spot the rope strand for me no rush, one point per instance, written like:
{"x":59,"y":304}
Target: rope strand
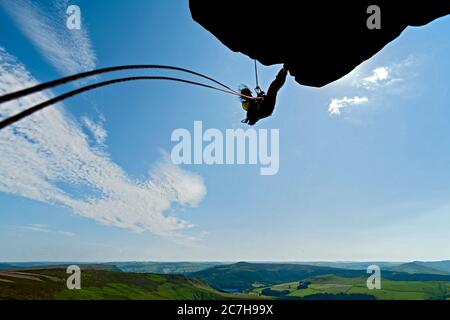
{"x":13,"y":119}
{"x":61,"y":81}
{"x":256,"y":75}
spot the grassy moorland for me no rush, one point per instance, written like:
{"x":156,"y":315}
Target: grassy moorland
{"x":49,"y":284}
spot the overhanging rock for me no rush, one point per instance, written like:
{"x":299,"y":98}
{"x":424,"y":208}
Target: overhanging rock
{"x":319,"y":41}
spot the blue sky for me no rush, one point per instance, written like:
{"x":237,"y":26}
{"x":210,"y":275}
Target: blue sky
{"x":364,"y":162}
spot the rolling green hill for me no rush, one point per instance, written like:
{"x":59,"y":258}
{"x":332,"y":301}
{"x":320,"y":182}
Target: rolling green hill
{"x":50,"y":284}
{"x":415,"y":267}
{"x":437,"y":265}
{"x":282,"y":281}
{"x":243,"y":276}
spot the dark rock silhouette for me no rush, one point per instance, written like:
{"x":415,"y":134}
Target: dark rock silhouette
{"x":319,"y":41}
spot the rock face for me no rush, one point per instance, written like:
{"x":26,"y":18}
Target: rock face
{"x":319,"y":41}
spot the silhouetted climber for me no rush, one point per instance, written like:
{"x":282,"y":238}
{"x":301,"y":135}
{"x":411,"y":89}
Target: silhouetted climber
{"x":263,"y":105}
{"x":259,"y":107}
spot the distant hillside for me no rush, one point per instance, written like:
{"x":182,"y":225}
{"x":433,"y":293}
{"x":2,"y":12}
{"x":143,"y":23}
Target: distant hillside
{"x":243,"y":276}
{"x":7,"y":266}
{"x":422,"y":267}
{"x":353,"y":265}
{"x":437,"y":265}
{"x":56,"y":265}
{"x":164,"y":267}
{"x":50,"y":284}
{"x":417,"y":267}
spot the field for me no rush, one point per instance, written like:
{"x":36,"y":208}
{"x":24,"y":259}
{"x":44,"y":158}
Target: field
{"x":390,"y":289}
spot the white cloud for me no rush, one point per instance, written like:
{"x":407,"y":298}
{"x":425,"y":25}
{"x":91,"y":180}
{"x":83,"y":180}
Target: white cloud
{"x":391,"y":76}
{"x":336,"y":105}
{"x":379,"y":74}
{"x":47,"y":157}
{"x":69,"y":51}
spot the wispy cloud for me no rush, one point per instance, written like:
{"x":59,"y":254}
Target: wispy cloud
{"x":336,"y":105}
{"x":48,"y":157}
{"x":97,"y":130}
{"x":46,"y":229}
{"x":44,"y":23}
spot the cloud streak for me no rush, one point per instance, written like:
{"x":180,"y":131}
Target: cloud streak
{"x":46,"y":229}
{"x":69,"y":51}
{"x":96,"y":128}
{"x":49,"y":158}
{"x":336,"y":105}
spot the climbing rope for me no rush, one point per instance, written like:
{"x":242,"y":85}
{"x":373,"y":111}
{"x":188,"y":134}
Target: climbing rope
{"x":256,"y":75}
{"x":61,"y":81}
{"x":13,"y":119}
{"x":259,"y":92}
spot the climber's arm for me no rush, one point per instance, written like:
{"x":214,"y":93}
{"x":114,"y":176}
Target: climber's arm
{"x":276,"y":85}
